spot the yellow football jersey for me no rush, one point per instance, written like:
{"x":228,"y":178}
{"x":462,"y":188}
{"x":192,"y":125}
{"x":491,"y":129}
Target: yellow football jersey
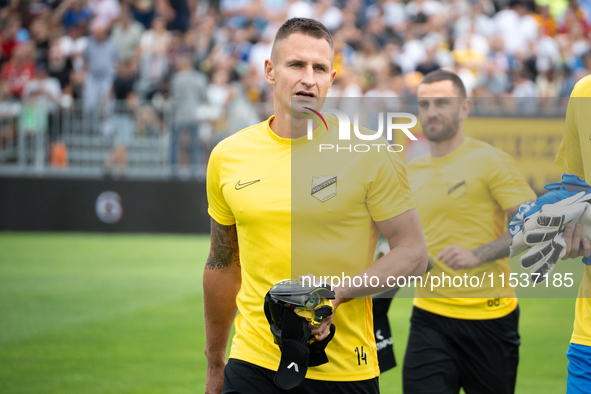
{"x":461,"y":199}
{"x":298,"y":211}
{"x":574,"y":156}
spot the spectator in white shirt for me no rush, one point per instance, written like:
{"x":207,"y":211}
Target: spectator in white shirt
{"x":126,"y":35}
{"x":155,"y":39}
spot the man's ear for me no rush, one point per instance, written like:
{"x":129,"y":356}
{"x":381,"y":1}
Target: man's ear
{"x":333,"y":75}
{"x":269,"y":72}
{"x":465,"y":108}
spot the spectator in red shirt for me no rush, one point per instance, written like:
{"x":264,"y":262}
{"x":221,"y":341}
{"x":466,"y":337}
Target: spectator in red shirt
{"x":19,"y":70}
{"x":573,"y":16}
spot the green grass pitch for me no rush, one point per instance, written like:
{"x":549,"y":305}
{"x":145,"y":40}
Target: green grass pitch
{"x":96,"y":313}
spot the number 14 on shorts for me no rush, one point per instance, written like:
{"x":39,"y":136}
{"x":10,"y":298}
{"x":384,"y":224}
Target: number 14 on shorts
{"x":361,"y":355}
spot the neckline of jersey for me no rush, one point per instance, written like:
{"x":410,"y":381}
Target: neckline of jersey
{"x":289,"y":141}
{"x":452,"y":155}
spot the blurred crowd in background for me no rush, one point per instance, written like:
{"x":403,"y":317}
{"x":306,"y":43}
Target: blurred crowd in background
{"x":157,"y":57}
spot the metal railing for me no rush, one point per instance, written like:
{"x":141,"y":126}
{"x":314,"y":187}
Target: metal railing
{"x":37,"y":139}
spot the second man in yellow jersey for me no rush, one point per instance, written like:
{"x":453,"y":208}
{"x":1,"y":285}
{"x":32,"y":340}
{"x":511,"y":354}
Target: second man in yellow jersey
{"x":461,"y":336}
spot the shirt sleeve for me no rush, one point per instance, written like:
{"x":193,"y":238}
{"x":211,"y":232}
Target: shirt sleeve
{"x":507,"y":185}
{"x":569,"y":156}
{"x":218,"y":208}
{"x":389,"y":193}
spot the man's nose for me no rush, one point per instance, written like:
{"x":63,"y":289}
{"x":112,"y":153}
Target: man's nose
{"x":308,"y":77}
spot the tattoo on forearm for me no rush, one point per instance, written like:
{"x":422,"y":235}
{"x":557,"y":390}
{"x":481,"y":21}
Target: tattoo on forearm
{"x":497,"y":249}
{"x":224,"y":247}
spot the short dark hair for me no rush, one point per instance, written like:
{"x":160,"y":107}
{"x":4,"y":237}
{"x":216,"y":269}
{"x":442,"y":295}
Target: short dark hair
{"x":307,"y":26}
{"x":444,"y":75}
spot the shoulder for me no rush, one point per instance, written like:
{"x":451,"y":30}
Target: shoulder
{"x":493,"y":160}
{"x":238,"y":140}
{"x":582,"y":88}
{"x":419,"y":162}
{"x":483,"y":150}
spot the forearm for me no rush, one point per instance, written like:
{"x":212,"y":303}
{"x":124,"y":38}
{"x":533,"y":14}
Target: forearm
{"x":401,"y":261}
{"x":221,"y":283}
{"x":497,"y":249}
{"x":220,"y":287}
{"x":407,"y":257}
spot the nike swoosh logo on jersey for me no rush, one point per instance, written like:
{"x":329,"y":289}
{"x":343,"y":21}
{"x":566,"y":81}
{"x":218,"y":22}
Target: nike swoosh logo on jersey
{"x":243,"y":185}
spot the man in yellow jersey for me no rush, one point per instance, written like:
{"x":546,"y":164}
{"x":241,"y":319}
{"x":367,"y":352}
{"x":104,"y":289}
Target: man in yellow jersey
{"x":462,"y":336}
{"x":257,"y":201}
{"x":574,"y":157}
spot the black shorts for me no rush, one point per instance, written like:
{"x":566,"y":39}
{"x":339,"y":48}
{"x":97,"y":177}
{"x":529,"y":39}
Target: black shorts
{"x":444,"y":354}
{"x":241,"y":377}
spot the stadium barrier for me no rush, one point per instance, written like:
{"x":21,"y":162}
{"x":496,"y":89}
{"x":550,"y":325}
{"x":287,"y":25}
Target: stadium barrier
{"x":103,"y":205}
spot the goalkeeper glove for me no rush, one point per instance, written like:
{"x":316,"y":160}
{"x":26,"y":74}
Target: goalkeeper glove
{"x":543,"y":232}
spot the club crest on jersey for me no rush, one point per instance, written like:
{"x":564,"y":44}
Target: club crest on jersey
{"x":457,"y":188}
{"x":324,"y":187}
